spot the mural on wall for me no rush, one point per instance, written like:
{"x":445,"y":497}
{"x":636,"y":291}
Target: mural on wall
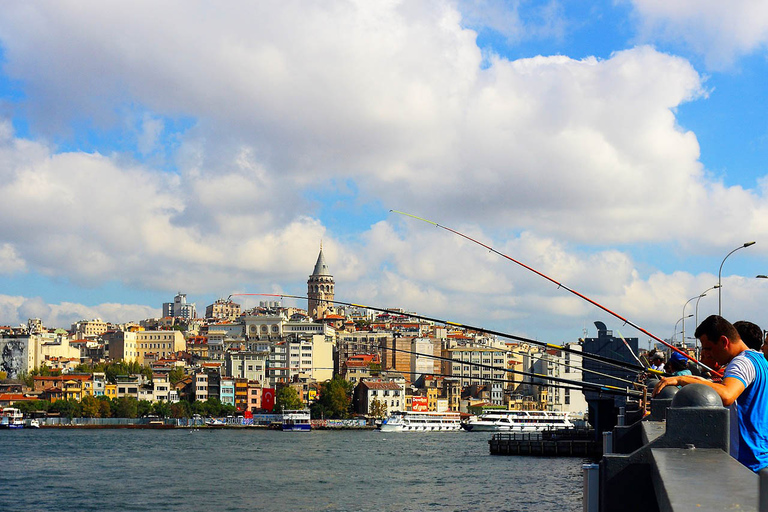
{"x":14,"y":357}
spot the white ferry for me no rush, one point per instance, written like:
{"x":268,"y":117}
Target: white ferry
{"x":296,"y":421}
{"x":11,"y":417}
{"x":494,"y":420}
{"x":413,"y":421}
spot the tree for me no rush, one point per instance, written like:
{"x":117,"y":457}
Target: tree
{"x":105,"y":406}
{"x":378,"y":408}
{"x":126,"y":407}
{"x":335,"y":399}
{"x":181,"y":409}
{"x":175,"y":375}
{"x":143,"y":408}
{"x":90,"y":407}
{"x":287,"y":398}
{"x":162,"y":409}
{"x":69,"y":408}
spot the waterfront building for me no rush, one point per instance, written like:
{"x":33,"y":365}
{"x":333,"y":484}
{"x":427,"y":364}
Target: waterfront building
{"x":320,"y":288}
{"x":395,"y":355}
{"x":23,"y":353}
{"x":201,"y":386}
{"x":465,"y":360}
{"x":222,"y":309}
{"x":246,"y":365}
{"x":241,"y":394}
{"x":360,"y":342}
{"x":128,"y":385}
{"x":227,"y":391}
{"x":121,"y":345}
{"x":358,"y":367}
{"x":162,"y":388}
{"x":253,"y":396}
{"x":42,"y":383}
{"x":390,"y":393}
{"x":163,"y":343}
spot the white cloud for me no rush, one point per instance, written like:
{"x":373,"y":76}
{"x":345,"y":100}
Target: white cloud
{"x":721,"y":31}
{"x":550,"y":155}
{"x":16,"y":310}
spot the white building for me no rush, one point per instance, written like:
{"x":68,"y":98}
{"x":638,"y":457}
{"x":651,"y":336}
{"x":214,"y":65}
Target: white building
{"x":180,"y":308}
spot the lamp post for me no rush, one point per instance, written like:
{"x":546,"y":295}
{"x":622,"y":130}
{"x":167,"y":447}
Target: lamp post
{"x":686,"y":303}
{"x":678,"y":321}
{"x":719,"y":274}
{"x":697,"y":301}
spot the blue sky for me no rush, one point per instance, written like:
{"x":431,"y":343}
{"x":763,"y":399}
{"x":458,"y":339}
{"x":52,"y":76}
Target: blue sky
{"x":619,"y":147}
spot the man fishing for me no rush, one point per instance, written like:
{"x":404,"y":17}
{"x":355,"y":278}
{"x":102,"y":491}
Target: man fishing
{"x":744,"y":387}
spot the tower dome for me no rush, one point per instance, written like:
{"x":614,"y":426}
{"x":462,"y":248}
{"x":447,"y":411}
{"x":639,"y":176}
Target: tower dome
{"x":320,"y":288}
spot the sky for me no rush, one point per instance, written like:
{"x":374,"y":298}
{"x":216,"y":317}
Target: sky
{"x":618,"y":147}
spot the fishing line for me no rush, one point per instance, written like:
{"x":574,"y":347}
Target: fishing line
{"x":602,"y":359}
{"x":560,"y":285}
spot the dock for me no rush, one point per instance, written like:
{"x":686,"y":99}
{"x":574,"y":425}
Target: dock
{"x":560,"y":443}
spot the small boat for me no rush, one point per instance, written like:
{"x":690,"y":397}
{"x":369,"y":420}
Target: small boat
{"x":33,"y":423}
{"x":213,"y":422}
{"x":296,"y":421}
{"x":11,"y":417}
{"x":500,"y":420}
{"x":412,"y":421}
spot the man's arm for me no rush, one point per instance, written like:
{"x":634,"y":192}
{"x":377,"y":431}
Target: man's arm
{"x":729,"y":390}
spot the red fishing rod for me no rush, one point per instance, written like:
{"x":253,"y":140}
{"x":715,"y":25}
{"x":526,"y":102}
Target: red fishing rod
{"x":561,"y":285}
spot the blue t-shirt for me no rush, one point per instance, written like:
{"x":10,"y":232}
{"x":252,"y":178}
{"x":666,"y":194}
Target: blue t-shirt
{"x":751,"y":368}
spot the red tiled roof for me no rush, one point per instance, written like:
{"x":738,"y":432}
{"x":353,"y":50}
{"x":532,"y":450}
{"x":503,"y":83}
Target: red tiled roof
{"x":380,"y":384}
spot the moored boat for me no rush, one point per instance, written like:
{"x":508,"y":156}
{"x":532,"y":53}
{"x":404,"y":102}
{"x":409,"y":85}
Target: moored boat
{"x":495,"y":420}
{"x":11,"y":417}
{"x":413,"y":421}
{"x":296,"y":421}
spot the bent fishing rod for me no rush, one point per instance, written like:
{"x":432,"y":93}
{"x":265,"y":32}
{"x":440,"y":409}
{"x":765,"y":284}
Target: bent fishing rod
{"x":582,"y":384}
{"x":601,"y":359}
{"x":560,"y":285}
{"x":526,"y":383}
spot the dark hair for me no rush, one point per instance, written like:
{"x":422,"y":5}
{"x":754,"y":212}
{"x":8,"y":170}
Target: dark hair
{"x":751,"y":333}
{"x":715,"y":326}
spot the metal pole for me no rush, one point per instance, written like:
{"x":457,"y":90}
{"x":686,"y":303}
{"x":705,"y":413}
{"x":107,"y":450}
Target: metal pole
{"x":591,"y":492}
{"x":719,"y":274}
{"x":607,"y":442}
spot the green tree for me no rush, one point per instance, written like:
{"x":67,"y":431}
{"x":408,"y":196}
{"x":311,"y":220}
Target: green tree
{"x":105,"y":406}
{"x":378,"y":408}
{"x":90,"y":407}
{"x":175,"y":375}
{"x":143,"y":408}
{"x":287,"y":398}
{"x":162,"y":409}
{"x":213,"y":407}
{"x":181,"y":409}
{"x":126,"y":407}
{"x":335,"y":400}
{"x":69,"y":408}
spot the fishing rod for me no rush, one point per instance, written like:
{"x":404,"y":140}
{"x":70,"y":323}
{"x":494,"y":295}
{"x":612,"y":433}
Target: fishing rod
{"x":595,"y":386}
{"x":583,"y":384}
{"x":521,"y":383}
{"x":560,"y":285}
{"x":594,"y":372}
{"x":602,"y":359}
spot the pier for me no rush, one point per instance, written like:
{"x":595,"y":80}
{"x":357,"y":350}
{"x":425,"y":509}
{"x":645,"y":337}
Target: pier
{"x":564,"y":443}
{"x":675,"y":459}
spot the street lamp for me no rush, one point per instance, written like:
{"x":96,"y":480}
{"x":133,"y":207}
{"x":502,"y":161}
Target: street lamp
{"x":684,"y":317}
{"x":697,"y":302}
{"x":719,"y":274}
{"x":675,"y":331}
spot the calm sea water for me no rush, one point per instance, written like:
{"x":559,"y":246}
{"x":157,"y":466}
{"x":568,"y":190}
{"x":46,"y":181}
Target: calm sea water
{"x":156,"y":470}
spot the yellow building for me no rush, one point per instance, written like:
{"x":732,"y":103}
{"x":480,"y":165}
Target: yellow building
{"x":110,"y":390}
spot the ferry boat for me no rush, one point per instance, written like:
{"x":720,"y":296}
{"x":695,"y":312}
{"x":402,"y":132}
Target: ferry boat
{"x":495,"y":420}
{"x":11,"y":417}
{"x":296,"y":421}
{"x":413,"y":421}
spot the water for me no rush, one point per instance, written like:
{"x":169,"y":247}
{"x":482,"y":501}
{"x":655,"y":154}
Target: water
{"x":156,"y":470}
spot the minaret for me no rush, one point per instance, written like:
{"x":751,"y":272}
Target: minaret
{"x":319,"y":288}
